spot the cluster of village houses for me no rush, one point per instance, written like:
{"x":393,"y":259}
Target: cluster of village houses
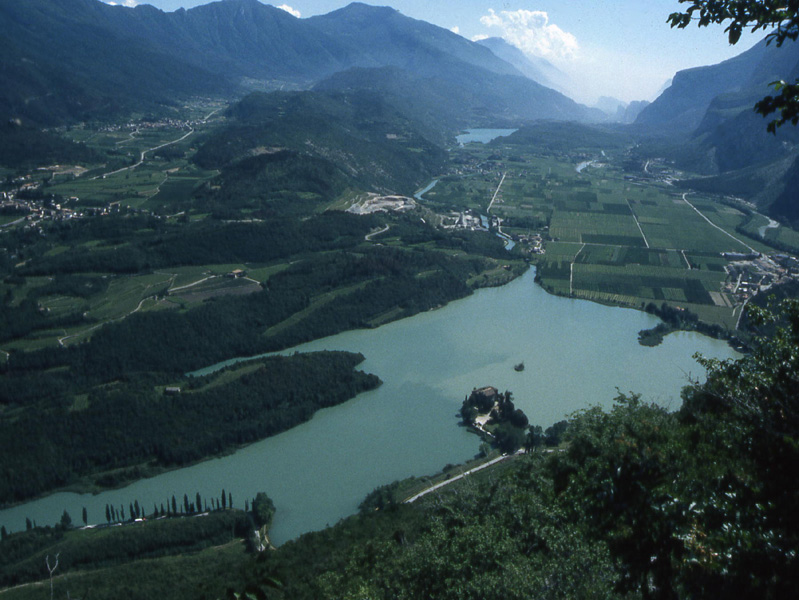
{"x":749,"y":274}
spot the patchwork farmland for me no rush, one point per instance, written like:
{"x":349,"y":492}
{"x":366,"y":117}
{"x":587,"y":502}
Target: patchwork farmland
{"x":610,"y":237}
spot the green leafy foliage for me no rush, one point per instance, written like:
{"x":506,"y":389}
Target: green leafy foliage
{"x":380,"y":498}
{"x":741,"y":15}
{"x":620,"y":467}
{"x":755,"y":400}
{"x":786,"y":103}
{"x":263,"y":509}
{"x":502,"y":540}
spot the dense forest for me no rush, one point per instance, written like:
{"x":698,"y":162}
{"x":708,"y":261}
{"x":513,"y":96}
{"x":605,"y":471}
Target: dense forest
{"x":24,"y":146}
{"x":136,"y":244}
{"x":281,"y":183}
{"x":372,"y":144}
{"x":102,"y":401}
{"x":377,"y":279}
{"x":126,"y":429}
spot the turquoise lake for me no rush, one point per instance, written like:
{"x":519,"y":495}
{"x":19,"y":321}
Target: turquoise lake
{"x":482,"y":136}
{"x":576,"y":354}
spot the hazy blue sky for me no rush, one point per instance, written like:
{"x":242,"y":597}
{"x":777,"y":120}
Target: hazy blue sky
{"x":620,"y":48}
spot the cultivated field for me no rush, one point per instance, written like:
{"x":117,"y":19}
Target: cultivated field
{"x":610,"y":237}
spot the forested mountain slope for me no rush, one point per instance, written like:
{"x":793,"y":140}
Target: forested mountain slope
{"x":78,"y":59}
{"x":382,"y":36}
{"x":352,"y":139}
{"x":62,"y":61}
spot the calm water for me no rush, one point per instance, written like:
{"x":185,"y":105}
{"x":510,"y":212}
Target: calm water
{"x":482,"y":136}
{"x":418,"y":195}
{"x":576,"y":354}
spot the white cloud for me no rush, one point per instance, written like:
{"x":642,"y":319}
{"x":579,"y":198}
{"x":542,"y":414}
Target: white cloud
{"x":290,"y":10}
{"x":477,"y":38}
{"x":128,"y":3}
{"x":531,"y":32}
{"x":456,"y":29}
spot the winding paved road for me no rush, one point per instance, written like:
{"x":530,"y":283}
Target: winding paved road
{"x":499,"y":187}
{"x":142,"y":157}
{"x":438,"y":486}
{"x":685,"y":199}
{"x":368,"y":237}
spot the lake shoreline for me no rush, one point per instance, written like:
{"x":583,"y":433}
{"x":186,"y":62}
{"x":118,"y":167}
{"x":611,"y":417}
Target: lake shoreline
{"x":319,"y":471}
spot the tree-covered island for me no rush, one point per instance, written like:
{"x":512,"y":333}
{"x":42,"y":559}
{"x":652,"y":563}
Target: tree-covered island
{"x":493,"y":415}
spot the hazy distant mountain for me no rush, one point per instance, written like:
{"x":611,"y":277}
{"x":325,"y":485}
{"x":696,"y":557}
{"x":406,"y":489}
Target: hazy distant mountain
{"x":462,"y":97}
{"x":630,"y":112}
{"x":716,"y":102}
{"x":538,"y":69}
{"x":435,"y":76}
{"x":610,"y":106}
{"x":430,"y":102}
{"x":242,"y":38}
{"x":618,"y":111}
{"x":382,"y":36}
{"x":684,"y":104}
{"x":62,"y":59}
{"x":75,"y":56}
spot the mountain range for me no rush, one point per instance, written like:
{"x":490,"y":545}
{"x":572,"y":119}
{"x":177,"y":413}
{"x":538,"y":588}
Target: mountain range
{"x":72,"y":60}
{"x":709,"y":113}
{"x":695,"y":94}
{"x":78,"y":59}
{"x":538,"y":69}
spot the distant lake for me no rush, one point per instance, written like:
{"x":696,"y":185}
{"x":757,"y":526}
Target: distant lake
{"x":482,"y":136}
{"x":576,"y":354}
